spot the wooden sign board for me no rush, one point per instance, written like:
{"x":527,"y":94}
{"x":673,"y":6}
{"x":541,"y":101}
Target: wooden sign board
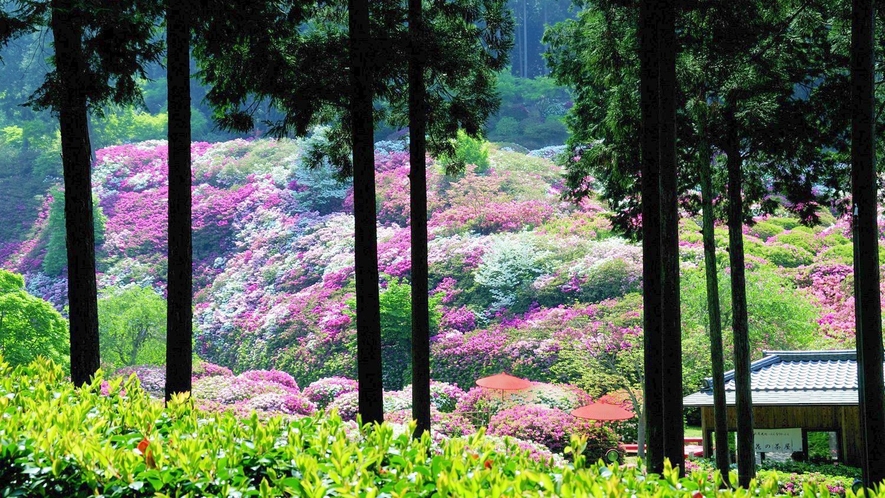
{"x":777,"y":440}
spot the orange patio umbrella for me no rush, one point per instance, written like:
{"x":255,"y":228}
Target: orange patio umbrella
{"x":602,"y":411}
{"x":504,"y":382}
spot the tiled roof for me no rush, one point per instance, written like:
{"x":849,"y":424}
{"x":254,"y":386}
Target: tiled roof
{"x":793,"y":378}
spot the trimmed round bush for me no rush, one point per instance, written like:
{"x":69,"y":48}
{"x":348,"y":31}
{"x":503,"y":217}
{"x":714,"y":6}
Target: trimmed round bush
{"x":206,"y":369}
{"x":323,"y":391}
{"x":271,"y":376}
{"x":152,"y":378}
{"x":788,"y":256}
{"x":550,"y":427}
{"x":765,"y":229}
{"x":289,"y":404}
{"x":347,"y":405}
{"x":445,"y":424}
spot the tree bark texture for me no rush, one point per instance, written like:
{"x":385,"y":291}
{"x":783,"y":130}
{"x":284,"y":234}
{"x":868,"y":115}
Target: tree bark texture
{"x":868,"y":313}
{"x":179,"y":317}
{"x":368,"y":314}
{"x":746,"y":457}
{"x":76,"y":152}
{"x":649,"y":17}
{"x":671,"y":318}
{"x":418,"y":208}
{"x":717,"y":356}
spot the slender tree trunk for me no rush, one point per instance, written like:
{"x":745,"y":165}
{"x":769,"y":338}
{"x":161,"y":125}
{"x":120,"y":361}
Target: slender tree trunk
{"x":746,"y":457}
{"x":649,"y":14}
{"x":76,"y":154}
{"x":179,"y":317}
{"x":671,"y":327}
{"x":868,"y":313}
{"x":368,"y":314}
{"x":525,"y":40}
{"x":418,"y":208}
{"x":717,"y":357}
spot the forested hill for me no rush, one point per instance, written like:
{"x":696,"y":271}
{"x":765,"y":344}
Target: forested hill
{"x":521,"y":281}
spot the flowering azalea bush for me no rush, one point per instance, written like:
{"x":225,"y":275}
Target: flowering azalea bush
{"x":323,"y":391}
{"x":552,"y":428}
{"x":521,"y":281}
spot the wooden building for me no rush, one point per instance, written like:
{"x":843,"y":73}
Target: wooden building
{"x":815,"y":391}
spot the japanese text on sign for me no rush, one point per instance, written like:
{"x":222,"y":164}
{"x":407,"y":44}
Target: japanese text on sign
{"x":777,"y":440}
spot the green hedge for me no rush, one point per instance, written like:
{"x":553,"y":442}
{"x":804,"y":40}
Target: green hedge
{"x":56,"y":440}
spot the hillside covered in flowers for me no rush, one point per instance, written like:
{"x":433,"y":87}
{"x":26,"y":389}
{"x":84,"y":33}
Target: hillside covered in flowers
{"x":521,"y":281}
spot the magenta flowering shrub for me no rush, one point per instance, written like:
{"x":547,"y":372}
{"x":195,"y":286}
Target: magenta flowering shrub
{"x":271,"y":376}
{"x":480,"y":404}
{"x":289,"y":404}
{"x":229,"y":390}
{"x":536,"y":452}
{"x":323,"y":391}
{"x":831,"y":289}
{"x":347,"y":405}
{"x":151,"y":378}
{"x":206,"y":369}
{"x":565,"y":397}
{"x":461,"y":358}
{"x":445,"y":396}
{"x":441,"y":424}
{"x":550,"y":427}
{"x":460,"y":319}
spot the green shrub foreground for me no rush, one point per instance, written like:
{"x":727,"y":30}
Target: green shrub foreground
{"x":115,"y":441}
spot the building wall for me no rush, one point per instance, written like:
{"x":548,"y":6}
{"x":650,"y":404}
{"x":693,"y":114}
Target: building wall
{"x":843,"y":420}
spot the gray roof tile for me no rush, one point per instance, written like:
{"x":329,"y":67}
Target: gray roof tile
{"x":794,"y":378}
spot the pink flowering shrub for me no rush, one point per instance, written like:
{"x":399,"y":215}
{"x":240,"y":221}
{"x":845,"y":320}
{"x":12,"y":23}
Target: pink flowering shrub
{"x":553,"y":428}
{"x":537,"y":452}
{"x":444,"y":424}
{"x":152,"y":378}
{"x":271,"y":376}
{"x":289,"y":404}
{"x":229,"y":390}
{"x":206,"y":369}
{"x":548,"y":426}
{"x":460,"y":319}
{"x":462,"y":358}
{"x":347,"y":405}
{"x":323,"y":391}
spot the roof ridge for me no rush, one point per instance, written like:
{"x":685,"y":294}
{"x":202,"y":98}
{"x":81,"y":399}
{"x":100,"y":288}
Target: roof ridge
{"x":773,"y":357}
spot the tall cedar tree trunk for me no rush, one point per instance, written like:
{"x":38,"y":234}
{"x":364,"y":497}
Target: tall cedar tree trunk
{"x":179,"y":317}
{"x":418,"y":207}
{"x":717,"y":357}
{"x":671,"y":326}
{"x":76,"y":152}
{"x":368,"y":314}
{"x":746,"y":457}
{"x":868,"y":314}
{"x":649,"y":14}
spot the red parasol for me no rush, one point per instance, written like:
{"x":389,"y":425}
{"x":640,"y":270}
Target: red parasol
{"x":602,"y":411}
{"x":504,"y":382}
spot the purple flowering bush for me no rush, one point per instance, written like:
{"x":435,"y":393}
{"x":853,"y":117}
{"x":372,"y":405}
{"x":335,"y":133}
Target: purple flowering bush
{"x":552,"y":428}
{"x":323,"y":391}
{"x":152,"y":378}
{"x":347,"y":405}
{"x":543,"y":425}
{"x":523,"y":281}
{"x":441,"y":424}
